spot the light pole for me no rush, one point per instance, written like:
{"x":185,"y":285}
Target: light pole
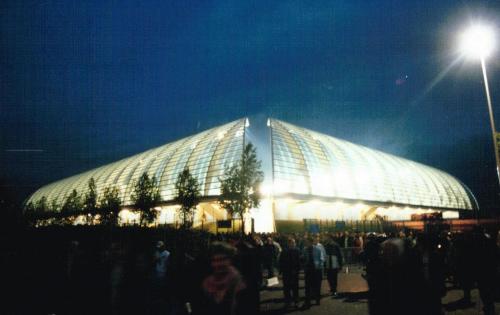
{"x":478,"y":42}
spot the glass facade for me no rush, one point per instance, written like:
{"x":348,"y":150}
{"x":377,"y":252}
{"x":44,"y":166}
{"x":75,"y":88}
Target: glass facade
{"x":328,"y":177}
{"x":310,"y":163}
{"x":206,"y":154}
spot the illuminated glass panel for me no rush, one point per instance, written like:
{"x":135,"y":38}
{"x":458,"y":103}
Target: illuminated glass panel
{"x":227,"y":151}
{"x":206,"y":154}
{"x":326,"y":166}
{"x":304,"y":162}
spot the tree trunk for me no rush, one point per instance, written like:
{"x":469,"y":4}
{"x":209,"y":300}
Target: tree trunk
{"x":242,"y":224}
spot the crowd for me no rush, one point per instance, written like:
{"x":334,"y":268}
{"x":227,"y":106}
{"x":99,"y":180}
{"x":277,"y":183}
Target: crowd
{"x":202,"y":273}
{"x":406,"y":273}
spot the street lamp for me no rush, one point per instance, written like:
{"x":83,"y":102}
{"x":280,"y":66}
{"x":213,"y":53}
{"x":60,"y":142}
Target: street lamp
{"x":478,"y":42}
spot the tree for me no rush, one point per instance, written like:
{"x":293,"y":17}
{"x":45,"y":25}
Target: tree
{"x":55,"y":212}
{"x":38,"y":210}
{"x":30,"y":212}
{"x":41,"y":206}
{"x":240,"y":184}
{"x":72,"y":205}
{"x":146,"y":197}
{"x":54,"y":206}
{"x":188,"y":196}
{"x":90,"y":199}
{"x":110,"y":205}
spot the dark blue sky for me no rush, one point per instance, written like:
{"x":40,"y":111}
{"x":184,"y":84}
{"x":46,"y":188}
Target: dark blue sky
{"x":88,"y":82}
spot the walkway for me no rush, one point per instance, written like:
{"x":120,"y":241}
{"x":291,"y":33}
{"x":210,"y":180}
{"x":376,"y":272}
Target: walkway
{"x":352,"y":299}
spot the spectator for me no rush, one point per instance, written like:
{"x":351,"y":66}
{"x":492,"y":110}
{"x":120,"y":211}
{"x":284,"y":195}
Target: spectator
{"x":159,"y":292}
{"x":269,"y":255}
{"x":461,"y":259}
{"x":314,"y":257}
{"x":160,"y":259}
{"x":289,"y":268}
{"x":431,"y":286}
{"x":333,"y":264}
{"x":486,"y":260}
{"x":221,"y":290}
{"x":373,"y":270}
{"x":347,"y":244}
{"x":247,"y":261}
{"x":358,"y":246}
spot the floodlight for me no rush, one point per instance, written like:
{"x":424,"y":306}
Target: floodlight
{"x":477,"y":41}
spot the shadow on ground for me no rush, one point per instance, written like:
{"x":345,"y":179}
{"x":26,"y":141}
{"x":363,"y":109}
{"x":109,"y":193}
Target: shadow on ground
{"x":352,"y":297}
{"x":460,"y":304}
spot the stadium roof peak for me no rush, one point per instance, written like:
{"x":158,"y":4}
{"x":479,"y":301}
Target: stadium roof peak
{"x":303,"y":163}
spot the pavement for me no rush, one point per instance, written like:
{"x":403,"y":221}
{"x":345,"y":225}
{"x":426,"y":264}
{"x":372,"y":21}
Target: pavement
{"x":352,"y":298}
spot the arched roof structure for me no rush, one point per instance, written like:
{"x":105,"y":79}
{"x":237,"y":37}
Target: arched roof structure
{"x":206,"y":154}
{"x":306,"y":162}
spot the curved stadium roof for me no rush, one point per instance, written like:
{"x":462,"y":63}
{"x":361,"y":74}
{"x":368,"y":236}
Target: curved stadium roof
{"x":305,"y":163}
{"x":206,"y":154}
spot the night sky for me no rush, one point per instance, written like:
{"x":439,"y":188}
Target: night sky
{"x":83,"y":83}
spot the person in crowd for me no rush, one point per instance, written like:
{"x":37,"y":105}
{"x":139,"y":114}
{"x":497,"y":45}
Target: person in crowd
{"x":314,"y":257}
{"x":160,"y":261}
{"x":247,"y":261}
{"x":136,"y":278}
{"x":259,"y":251}
{"x":347,"y":242}
{"x":461,"y":261}
{"x":289,"y":266}
{"x":391,"y":284}
{"x":485,"y":254}
{"x":431,"y":286}
{"x":321,"y":248}
{"x":309,"y":269}
{"x":277,"y":252}
{"x":299,"y":242}
{"x":358,"y":244}
{"x":333,"y":264}
{"x":222,"y":288}
{"x":269,"y":254}
{"x":191,"y":268}
{"x":373,"y":266}
{"x":159,"y":277}
{"x":257,"y":241}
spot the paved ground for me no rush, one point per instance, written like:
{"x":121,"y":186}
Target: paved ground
{"x":352,"y":299}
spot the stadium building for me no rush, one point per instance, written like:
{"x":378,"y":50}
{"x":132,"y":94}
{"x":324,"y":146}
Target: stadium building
{"x":308,"y":175}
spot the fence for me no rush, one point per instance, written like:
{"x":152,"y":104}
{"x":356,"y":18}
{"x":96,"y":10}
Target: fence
{"x":333,"y":226}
